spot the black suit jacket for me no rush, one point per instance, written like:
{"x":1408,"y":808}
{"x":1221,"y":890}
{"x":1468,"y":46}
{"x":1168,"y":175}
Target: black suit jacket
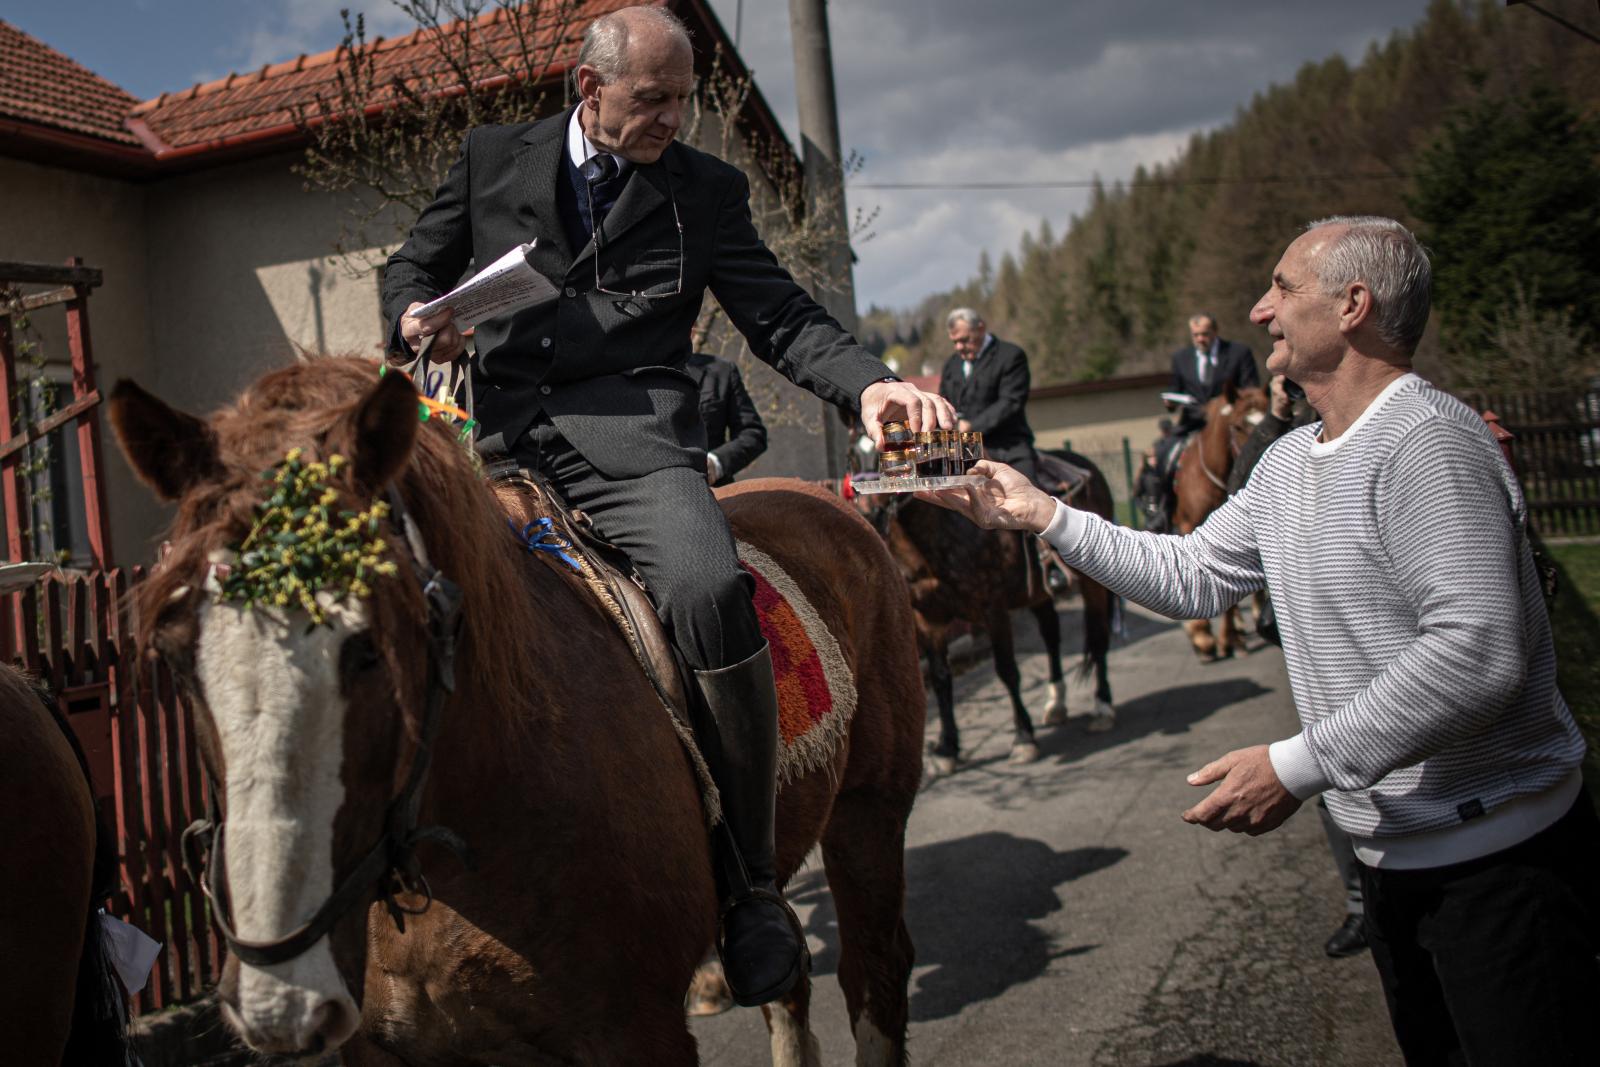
{"x":609,"y":371}
{"x":994,"y":399}
{"x":1235,"y":363}
{"x":734,"y":431}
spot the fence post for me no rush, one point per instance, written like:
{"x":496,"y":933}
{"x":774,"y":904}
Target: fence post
{"x":1127,"y":474}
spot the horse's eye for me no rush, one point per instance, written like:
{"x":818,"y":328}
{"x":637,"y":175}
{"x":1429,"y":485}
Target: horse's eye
{"x":358,"y":653}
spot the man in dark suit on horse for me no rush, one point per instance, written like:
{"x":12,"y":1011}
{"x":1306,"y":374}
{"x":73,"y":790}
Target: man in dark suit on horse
{"x":735,"y":434}
{"x":1201,"y":370}
{"x":987,"y":380}
{"x":590,"y":390}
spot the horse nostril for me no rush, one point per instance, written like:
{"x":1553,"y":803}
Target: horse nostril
{"x":331,"y":1023}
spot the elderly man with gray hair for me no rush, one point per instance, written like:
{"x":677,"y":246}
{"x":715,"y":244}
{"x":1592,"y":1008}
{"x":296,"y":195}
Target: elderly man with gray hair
{"x":987,"y":381}
{"x":591,"y":392}
{"x":1392,"y":537}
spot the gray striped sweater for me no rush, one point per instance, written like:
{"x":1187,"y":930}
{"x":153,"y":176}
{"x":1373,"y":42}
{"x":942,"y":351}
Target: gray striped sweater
{"x":1414,"y":631}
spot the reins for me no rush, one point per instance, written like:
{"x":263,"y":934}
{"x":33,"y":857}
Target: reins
{"x":392,"y":861}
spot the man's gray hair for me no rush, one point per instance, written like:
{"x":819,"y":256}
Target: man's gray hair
{"x":1387,"y":258}
{"x":605,"y":42}
{"x":966,"y":315}
{"x":1206,"y":315}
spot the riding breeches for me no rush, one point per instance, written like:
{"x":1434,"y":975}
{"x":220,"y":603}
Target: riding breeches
{"x":672,"y":529}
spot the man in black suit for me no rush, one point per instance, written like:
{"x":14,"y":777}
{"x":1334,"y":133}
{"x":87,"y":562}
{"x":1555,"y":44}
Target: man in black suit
{"x":590,"y":389}
{"x":1204,"y":369}
{"x":987,"y":380}
{"x":735,"y":434}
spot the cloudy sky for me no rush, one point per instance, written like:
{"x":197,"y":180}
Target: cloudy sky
{"x":930,"y":91}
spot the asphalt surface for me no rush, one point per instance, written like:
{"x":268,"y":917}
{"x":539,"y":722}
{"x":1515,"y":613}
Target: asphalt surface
{"x":1062,"y":911}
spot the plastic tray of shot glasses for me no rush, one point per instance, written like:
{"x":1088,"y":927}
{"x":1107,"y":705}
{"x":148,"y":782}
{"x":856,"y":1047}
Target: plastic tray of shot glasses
{"x":911,"y":485}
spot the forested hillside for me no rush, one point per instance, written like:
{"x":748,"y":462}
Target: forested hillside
{"x":1478,"y":128}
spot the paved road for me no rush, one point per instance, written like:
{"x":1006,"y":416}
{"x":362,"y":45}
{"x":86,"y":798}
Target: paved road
{"x":1064,"y":914}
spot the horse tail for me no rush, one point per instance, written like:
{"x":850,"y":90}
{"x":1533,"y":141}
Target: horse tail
{"x":99,"y":1013}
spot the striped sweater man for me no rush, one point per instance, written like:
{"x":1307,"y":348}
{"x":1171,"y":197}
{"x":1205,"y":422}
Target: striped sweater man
{"x":1417,"y":644}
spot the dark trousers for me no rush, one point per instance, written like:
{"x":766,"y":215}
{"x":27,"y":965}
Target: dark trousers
{"x":671,"y":527}
{"x":1493,"y":962}
{"x":1344,"y":859}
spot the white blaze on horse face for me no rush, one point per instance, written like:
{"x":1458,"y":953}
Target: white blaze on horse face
{"x":273,"y":692}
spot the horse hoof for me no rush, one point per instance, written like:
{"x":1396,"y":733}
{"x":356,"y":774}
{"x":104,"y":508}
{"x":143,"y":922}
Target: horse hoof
{"x":1103,"y":718}
{"x":1026,"y":752}
{"x":940,"y":763}
{"x":708,"y":993}
{"x":1054,"y":715}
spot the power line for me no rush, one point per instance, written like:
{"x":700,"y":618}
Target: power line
{"x":1087,"y":183}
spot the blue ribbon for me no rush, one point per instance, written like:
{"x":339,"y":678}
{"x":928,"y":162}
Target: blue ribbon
{"x":540,"y":535}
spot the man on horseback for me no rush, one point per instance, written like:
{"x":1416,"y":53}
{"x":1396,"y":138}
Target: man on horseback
{"x":590,"y":390}
{"x":1201,"y":370}
{"x":987,"y":381}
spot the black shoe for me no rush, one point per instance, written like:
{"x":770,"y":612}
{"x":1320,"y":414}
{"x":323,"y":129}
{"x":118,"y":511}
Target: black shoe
{"x":762,"y":947}
{"x":1350,"y":939}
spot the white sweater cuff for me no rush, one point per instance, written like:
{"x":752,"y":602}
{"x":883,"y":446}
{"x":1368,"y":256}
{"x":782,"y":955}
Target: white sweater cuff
{"x":1066,"y":528}
{"x":1296,"y":767}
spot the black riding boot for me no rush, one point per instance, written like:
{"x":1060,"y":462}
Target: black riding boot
{"x":759,"y":939}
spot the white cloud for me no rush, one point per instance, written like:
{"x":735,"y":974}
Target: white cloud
{"x":1016,"y":90}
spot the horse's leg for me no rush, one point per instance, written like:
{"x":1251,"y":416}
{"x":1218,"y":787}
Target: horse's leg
{"x":789,"y":1026}
{"x":947,"y":752}
{"x":1097,"y":607}
{"x":1228,"y":633}
{"x":1055,"y":712}
{"x":863,"y":851}
{"x":1023,"y":747}
{"x":1199,"y":631}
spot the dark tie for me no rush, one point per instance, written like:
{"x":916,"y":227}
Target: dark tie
{"x":604,"y":186}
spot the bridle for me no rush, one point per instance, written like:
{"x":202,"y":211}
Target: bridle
{"x":391,"y":863}
{"x":1235,"y":446}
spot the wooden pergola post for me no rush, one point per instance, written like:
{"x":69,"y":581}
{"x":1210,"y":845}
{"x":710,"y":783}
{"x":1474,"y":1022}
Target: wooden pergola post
{"x":74,"y":281}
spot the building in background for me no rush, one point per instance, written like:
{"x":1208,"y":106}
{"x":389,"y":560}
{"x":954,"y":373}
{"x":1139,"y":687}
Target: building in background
{"x":218,"y":263}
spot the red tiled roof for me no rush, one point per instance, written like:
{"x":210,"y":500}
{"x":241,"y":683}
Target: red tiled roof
{"x":40,"y":85}
{"x":255,"y":112}
{"x":244,"y":107}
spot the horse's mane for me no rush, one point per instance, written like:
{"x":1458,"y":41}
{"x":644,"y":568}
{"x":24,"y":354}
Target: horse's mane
{"x":307,"y":405}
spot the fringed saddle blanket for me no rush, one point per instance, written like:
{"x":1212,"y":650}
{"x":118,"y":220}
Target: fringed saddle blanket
{"x":816,"y":690}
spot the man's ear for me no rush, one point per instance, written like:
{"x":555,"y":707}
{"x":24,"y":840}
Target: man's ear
{"x":381,"y":432}
{"x":170,"y":451}
{"x":1356,"y":308}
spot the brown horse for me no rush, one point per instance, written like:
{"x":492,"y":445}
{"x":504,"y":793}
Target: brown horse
{"x":1201,"y":485}
{"x":59,"y":1002}
{"x":959,"y":572}
{"x":572,"y":934}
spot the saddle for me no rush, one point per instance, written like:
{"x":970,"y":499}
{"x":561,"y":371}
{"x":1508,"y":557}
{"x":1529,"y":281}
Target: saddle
{"x":614,"y":581}
{"x":1059,"y":477}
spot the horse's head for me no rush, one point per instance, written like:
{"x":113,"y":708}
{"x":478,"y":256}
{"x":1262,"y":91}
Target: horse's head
{"x":288,"y":609}
{"x":1234,"y":413}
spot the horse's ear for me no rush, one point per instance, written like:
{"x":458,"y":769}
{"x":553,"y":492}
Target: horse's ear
{"x":383,"y":430}
{"x":170,"y":451}
{"x":1230,"y":391}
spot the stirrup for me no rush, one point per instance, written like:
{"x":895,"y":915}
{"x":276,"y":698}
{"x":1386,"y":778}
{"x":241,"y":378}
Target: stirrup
{"x":802,"y":962}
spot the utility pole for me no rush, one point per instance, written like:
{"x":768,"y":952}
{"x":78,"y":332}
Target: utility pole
{"x":824,"y":182}
{"x":819,"y":143}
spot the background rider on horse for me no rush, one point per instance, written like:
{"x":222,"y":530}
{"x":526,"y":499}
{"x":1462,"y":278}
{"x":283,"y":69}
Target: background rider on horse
{"x":1201,"y":370}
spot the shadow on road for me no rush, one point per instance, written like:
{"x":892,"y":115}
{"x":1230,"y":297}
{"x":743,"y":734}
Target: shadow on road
{"x":1166,"y":711}
{"x":970,"y":905}
{"x":1208,"y":1060}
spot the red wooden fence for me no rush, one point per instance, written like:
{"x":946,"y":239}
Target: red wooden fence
{"x":76,"y":634}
